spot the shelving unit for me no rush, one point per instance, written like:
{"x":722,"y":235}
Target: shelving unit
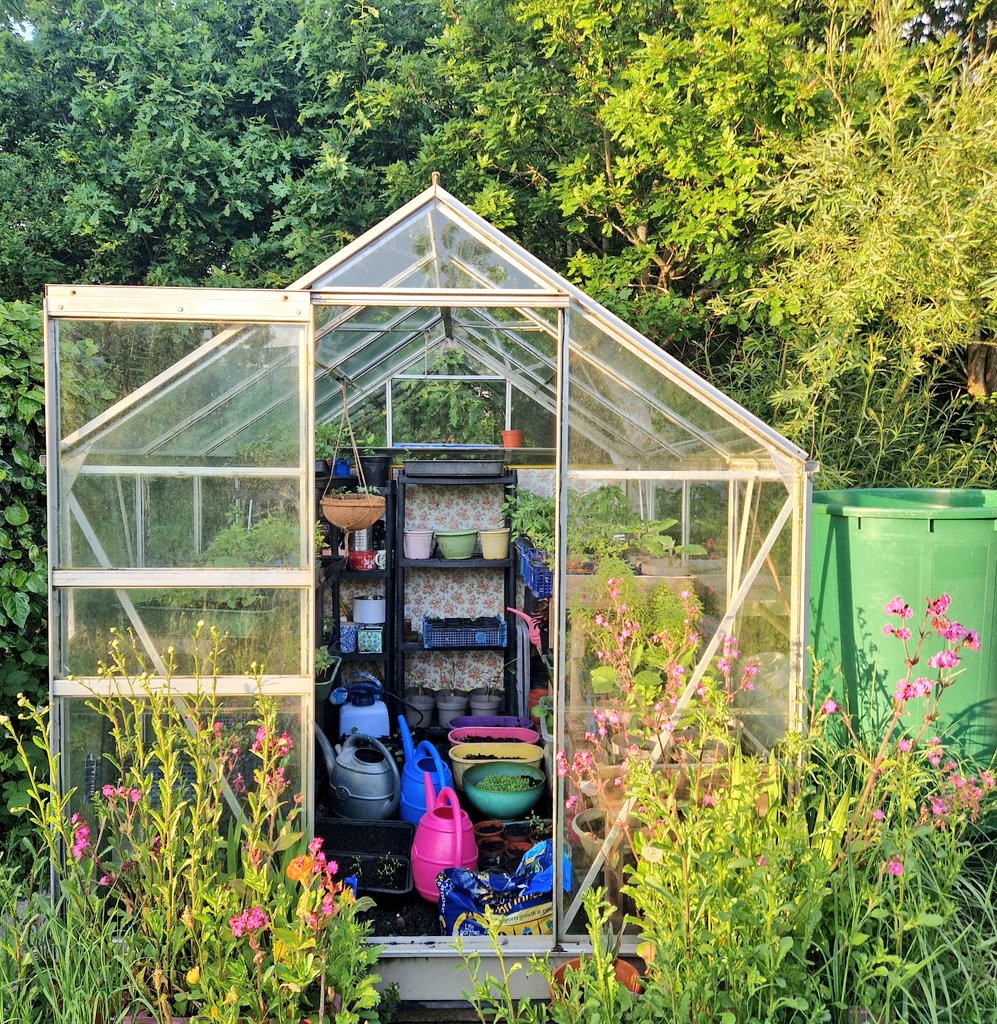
{"x":406,"y":648}
{"x":330,"y":585}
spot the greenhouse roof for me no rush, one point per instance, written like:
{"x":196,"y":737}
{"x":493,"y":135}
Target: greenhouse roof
{"x":431,"y":278}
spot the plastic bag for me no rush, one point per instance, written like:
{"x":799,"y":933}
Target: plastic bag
{"x":523,"y":899}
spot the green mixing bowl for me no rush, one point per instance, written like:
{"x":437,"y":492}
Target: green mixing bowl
{"x":456,"y":543}
{"x":508,"y":806}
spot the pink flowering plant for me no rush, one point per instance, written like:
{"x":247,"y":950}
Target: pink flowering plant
{"x":840,"y":874}
{"x":644,"y":646}
{"x":252,"y":927}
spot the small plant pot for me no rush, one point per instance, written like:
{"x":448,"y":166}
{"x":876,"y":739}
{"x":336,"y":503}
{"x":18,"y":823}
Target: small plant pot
{"x":514,"y":850}
{"x":491,"y":853}
{"x":494,"y":543}
{"x":419,"y":715}
{"x":512,"y":439}
{"x":418,"y":543}
{"x":376,"y":469}
{"x":450,"y":706}
{"x":626,"y":975}
{"x":455,"y":544}
{"x":491,"y":828}
{"x":485,"y":703}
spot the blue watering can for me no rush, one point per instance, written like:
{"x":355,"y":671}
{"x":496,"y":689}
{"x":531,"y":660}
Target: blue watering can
{"x":419,"y":761}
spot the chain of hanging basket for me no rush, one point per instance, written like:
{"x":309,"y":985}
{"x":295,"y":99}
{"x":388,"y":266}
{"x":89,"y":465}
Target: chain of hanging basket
{"x":350,"y":511}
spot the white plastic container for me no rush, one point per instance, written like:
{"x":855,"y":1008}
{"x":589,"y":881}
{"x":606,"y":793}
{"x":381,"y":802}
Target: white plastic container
{"x":418,"y":543}
{"x":368,"y":610}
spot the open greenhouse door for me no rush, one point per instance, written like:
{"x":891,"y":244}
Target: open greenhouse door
{"x":179,"y":428}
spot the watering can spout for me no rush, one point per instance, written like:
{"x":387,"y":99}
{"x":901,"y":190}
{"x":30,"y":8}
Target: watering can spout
{"x":403,"y":729}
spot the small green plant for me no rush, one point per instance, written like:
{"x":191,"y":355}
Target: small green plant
{"x":508,"y":783}
{"x":531,"y":516}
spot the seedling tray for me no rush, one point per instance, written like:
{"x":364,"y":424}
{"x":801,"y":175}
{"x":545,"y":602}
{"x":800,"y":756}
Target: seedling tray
{"x":378,"y":853}
{"x":430,"y":468}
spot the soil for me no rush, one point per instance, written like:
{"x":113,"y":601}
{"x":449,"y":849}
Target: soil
{"x":404,"y":915}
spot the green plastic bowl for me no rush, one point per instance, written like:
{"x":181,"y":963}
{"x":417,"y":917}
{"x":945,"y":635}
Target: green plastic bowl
{"x":456,"y":543}
{"x":497,"y":804}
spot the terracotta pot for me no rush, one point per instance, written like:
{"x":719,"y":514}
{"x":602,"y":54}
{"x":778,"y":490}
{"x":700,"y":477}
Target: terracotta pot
{"x":626,"y":975}
{"x":512,"y":438}
{"x":492,"y":828}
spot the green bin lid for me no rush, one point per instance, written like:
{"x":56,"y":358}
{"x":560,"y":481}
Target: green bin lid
{"x":907,"y":503}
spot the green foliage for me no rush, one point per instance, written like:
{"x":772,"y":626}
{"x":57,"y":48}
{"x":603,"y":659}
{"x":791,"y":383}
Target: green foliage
{"x":532,"y":516}
{"x":23,"y":564}
{"x":254,"y":928}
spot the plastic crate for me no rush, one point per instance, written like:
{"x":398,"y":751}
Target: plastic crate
{"x":535,"y":571}
{"x":377,"y":853}
{"x":453,"y":633}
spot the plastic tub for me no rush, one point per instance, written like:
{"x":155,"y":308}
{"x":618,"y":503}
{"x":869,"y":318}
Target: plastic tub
{"x":491,"y":721}
{"x":456,"y":543}
{"x":418,"y":543}
{"x":466,"y":754}
{"x":870,"y":546}
{"x":495,"y":734}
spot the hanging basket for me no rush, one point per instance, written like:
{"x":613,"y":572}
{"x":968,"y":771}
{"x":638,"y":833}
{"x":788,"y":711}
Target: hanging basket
{"x":352,"y":511}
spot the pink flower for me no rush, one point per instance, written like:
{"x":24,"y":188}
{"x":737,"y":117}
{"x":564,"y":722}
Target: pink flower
{"x":939,"y":606}
{"x":108,"y":791}
{"x":972,"y":640}
{"x":709,"y":800}
{"x":762,"y":862}
{"x":570,"y":802}
{"x":895,"y":866}
{"x":904,"y":746}
{"x":829,"y":707}
{"x":135,"y":795}
{"x":878,"y":815}
{"x":328,"y":905}
{"x":894,"y":607}
{"x":316,"y":844}
{"x":938,"y":806}
{"x":943,"y":659}
{"x":81,"y":836}
{"x":333,"y":867}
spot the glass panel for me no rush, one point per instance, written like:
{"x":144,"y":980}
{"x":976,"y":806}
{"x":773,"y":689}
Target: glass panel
{"x":88,"y":747}
{"x":101,"y":362}
{"x":447,"y":411}
{"x":651,"y":411}
{"x":236,"y":405}
{"x":429,"y":249}
{"x":263,"y":625}
{"x":239,"y":373}
{"x":763,"y":632}
{"x":382,"y":261}
{"x":125,"y":521}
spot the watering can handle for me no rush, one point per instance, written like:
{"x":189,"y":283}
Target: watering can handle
{"x":427,"y":783}
{"x":406,"y":740}
{"x":433,"y":753}
{"x":450,"y":797}
{"x":389,"y":757}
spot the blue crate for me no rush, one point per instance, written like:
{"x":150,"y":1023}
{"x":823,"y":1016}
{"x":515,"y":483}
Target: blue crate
{"x":535,"y":571}
{"x":435,"y":634}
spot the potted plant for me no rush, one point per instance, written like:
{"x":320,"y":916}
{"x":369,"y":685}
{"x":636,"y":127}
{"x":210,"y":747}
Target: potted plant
{"x":451,"y":702}
{"x":419,"y":704}
{"x":486,"y":700}
{"x":352,"y":509}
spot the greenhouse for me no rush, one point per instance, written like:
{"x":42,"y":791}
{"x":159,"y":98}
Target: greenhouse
{"x":200,"y":441}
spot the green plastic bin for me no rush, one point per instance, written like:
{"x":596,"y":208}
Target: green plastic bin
{"x":869,"y":546}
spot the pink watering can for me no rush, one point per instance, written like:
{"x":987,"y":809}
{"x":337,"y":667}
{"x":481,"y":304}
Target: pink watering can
{"x":443,"y":839}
